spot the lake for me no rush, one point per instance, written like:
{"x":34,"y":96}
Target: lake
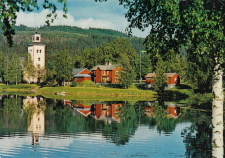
{"x":43,"y":127}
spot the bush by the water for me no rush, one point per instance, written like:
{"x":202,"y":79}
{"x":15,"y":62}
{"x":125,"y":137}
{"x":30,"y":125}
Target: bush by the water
{"x":87,"y":83}
{"x":74,"y":84}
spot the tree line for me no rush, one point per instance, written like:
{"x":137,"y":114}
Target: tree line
{"x":135,"y":64}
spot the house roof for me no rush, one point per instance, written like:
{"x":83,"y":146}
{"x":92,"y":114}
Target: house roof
{"x":153,"y":74}
{"x":104,"y":67}
{"x":81,"y":75}
{"x":76,"y":71}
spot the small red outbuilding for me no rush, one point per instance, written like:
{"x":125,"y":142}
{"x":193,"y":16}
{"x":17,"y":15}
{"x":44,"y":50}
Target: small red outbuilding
{"x":81,"y":74}
{"x":173,"y":79}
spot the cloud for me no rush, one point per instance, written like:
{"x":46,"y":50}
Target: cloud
{"x":33,"y":19}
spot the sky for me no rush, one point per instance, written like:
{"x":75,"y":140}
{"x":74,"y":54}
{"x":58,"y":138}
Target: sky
{"x":83,"y":14}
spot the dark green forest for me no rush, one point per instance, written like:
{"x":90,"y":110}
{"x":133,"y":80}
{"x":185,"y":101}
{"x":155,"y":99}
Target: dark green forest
{"x":72,"y":39}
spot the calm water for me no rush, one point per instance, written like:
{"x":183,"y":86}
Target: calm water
{"x":39,"y":127}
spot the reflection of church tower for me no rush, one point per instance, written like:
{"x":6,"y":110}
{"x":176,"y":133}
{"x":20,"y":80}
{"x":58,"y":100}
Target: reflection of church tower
{"x":36,"y":124}
{"x":37,"y":51}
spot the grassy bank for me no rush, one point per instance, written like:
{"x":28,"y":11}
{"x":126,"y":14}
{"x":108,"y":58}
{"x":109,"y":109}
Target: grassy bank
{"x":98,"y":92}
{"x":104,"y":93}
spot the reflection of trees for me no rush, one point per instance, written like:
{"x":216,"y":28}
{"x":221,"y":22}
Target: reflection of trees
{"x":63,"y":117}
{"x":161,"y":119}
{"x":11,"y":114}
{"x":197,"y":137}
{"x":121,"y":132}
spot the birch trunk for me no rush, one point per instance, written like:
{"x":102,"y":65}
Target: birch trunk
{"x":217,"y":113}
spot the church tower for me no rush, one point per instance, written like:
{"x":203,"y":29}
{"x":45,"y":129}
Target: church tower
{"x":37,"y":54}
{"x":37,"y":51}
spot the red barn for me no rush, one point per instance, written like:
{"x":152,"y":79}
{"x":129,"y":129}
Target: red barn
{"x":81,"y":74}
{"x":173,"y":79}
{"x":105,"y":74}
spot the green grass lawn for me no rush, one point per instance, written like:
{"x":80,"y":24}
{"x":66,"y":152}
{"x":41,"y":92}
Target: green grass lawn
{"x":96,"y":92}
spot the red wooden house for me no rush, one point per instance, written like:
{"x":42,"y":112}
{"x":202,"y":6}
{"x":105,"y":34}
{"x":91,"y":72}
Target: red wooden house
{"x":105,"y":73}
{"x":81,"y":74}
{"x":173,"y":79}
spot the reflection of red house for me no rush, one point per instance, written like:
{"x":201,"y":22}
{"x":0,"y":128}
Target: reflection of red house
{"x":82,"y":109}
{"x":105,"y":73}
{"x":173,"y":79}
{"x":79,"y":108}
{"x":173,"y":112}
{"x":149,"y":111}
{"x":81,"y":74}
{"x":106,"y":111}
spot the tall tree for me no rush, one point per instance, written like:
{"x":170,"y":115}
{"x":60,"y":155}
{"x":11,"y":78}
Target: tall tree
{"x":198,"y":25}
{"x":145,"y":65}
{"x":12,"y":69}
{"x":40,"y":74}
{"x":63,"y":67}
{"x":1,"y":66}
{"x":160,"y":79}
{"x":29,"y":72}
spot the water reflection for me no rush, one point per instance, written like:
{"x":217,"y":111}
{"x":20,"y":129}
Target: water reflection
{"x":34,"y":107}
{"x":55,"y":127}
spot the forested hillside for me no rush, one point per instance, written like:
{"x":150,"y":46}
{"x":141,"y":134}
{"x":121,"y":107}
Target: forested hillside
{"x":72,"y":39}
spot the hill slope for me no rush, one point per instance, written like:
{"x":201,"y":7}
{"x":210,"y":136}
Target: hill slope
{"x":58,"y":38}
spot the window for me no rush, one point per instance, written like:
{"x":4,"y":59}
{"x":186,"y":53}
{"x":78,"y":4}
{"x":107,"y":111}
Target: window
{"x":37,"y":51}
{"x":40,"y":51}
{"x":39,"y":59}
{"x":37,"y":38}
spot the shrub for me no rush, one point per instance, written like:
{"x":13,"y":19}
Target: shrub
{"x":86,"y":83}
{"x":74,"y":84}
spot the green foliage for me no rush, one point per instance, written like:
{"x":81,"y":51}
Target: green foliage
{"x":146,"y":66}
{"x":197,"y":26}
{"x":63,"y":67}
{"x":8,"y":10}
{"x":10,"y":113}
{"x":86,"y":83}
{"x":59,"y":38}
{"x":160,"y":79}
{"x":74,"y":84}
{"x":1,"y":65}
{"x":12,"y":69}
{"x":29,"y":71}
{"x":40,"y":74}
{"x":63,"y":117}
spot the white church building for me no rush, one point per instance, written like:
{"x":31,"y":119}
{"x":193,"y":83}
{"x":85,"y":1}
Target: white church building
{"x":37,"y":51}
{"x":37,"y":54}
